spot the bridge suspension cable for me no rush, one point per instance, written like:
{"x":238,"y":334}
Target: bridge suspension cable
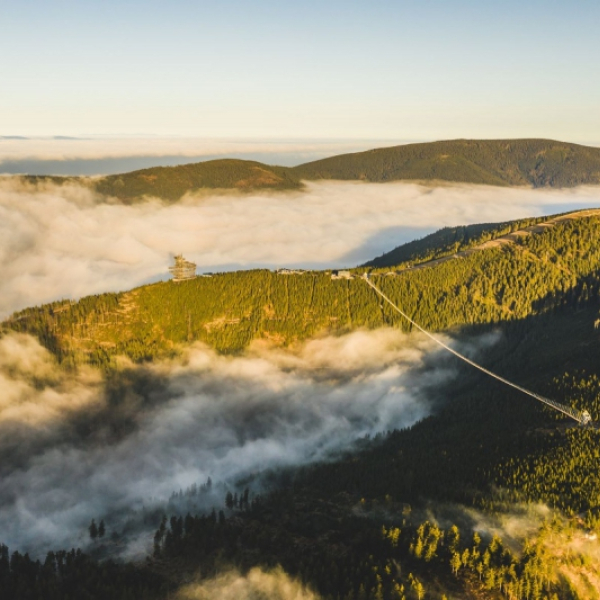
{"x":582,"y":417}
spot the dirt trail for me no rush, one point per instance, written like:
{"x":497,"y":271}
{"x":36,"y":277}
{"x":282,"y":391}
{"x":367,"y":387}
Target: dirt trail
{"x":509,"y":238}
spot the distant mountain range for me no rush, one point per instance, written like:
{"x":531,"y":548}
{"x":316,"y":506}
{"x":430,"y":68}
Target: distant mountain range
{"x":537,"y":163}
{"x":171,"y":183}
{"x":527,"y":162}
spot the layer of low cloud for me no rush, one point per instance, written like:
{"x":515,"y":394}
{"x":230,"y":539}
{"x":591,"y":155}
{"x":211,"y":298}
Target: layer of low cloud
{"x":106,"y":155}
{"x":256,"y":585}
{"x":75,"y":448}
{"x":61,"y":242}
{"x":513,"y":525}
{"x":571,"y":552}
{"x":34,"y":391}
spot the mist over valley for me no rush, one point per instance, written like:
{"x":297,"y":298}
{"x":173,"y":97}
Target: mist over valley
{"x":214,"y":426}
{"x":80,"y":445}
{"x":77,"y":245}
{"x":300,"y":300}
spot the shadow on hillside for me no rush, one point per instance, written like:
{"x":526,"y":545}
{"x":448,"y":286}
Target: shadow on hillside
{"x":532,"y":352}
{"x":382,"y":242}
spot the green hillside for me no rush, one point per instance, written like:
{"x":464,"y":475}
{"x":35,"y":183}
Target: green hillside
{"x":537,"y":163}
{"x":447,"y":241}
{"x":171,"y":183}
{"x":393,"y":518}
{"x":535,"y":274}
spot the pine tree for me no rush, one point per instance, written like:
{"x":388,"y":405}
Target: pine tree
{"x":93,"y":529}
{"x":455,"y":562}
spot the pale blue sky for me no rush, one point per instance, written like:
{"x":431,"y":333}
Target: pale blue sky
{"x":415,"y":70}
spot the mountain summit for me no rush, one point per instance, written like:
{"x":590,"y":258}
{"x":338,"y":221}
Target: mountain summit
{"x":526,"y":162}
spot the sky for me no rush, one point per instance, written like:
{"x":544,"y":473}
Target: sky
{"x":402,"y":70}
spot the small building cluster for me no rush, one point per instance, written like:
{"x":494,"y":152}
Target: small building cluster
{"x":341,"y":275}
{"x":182,"y":269}
{"x":290,"y":271}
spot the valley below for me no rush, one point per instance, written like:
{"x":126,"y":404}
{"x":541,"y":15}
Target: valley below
{"x":269,"y":432}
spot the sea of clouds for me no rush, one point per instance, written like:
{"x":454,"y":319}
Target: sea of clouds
{"x":66,"y":242}
{"x":76,"y":446}
{"x":104,"y":155}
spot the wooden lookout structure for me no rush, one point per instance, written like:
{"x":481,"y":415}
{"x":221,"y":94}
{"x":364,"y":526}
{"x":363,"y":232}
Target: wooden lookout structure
{"x":182,"y":269}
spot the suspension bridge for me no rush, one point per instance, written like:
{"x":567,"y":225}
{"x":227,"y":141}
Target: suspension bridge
{"x":582,"y":417}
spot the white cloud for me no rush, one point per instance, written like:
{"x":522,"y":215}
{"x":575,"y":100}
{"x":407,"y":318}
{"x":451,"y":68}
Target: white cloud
{"x":60,"y":242}
{"x":257,"y":584}
{"x":100,"y":155}
{"x":97,"y":451}
{"x":34,"y":391}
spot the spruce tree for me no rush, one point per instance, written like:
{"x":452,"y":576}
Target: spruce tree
{"x":93,"y":529}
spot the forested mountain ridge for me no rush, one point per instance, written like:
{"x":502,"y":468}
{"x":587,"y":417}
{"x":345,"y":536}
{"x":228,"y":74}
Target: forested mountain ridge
{"x":447,"y":241}
{"x":415,"y":514}
{"x":520,"y":162}
{"x":557,"y":266}
{"x":171,"y":183}
{"x":459,"y":242}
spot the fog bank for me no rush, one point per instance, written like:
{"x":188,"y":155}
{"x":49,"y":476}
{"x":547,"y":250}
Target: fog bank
{"x":65,"y":242}
{"x":75,"y":448}
{"x":103,"y":155}
{"x":256,"y":585}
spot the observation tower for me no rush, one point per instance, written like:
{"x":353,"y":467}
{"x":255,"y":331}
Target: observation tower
{"x":182,"y":269}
